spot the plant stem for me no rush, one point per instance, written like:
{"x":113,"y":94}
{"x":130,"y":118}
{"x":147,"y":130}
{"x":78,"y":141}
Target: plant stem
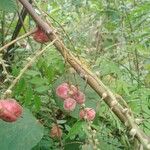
{"x":17,"y":39}
{"x":29,"y":64}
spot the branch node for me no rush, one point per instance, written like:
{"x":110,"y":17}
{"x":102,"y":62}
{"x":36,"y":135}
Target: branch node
{"x":104,"y":95}
{"x":29,"y":59}
{"x":133,"y":132}
{"x":138,"y":121}
{"x":148,"y":146}
{"x":125,"y":110}
{"x":7,"y":93}
{"x":126,"y":123}
{"x":71,"y":70}
{"x":97,"y":73}
{"x":113,"y":103}
{"x":83,"y":75}
{"x":83,"y":105}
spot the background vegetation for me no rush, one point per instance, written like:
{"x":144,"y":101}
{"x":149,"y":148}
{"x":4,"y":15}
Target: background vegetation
{"x":111,"y":37}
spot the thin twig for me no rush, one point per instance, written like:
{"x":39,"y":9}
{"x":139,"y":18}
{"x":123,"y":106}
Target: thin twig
{"x":33,"y":59}
{"x":17,"y":39}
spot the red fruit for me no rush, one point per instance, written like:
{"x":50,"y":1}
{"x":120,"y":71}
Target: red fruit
{"x":63,"y":90}
{"x":10,"y":110}
{"x":69,"y":104}
{"x":79,"y":97}
{"x":40,"y":36}
{"x":87,"y":114}
{"x":56,"y":131}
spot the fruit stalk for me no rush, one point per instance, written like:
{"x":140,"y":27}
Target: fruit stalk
{"x":31,"y":61}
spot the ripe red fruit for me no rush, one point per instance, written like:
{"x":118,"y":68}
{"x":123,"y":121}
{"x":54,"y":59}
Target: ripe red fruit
{"x":79,"y":97}
{"x":10,"y":110}
{"x":63,"y":90}
{"x":56,"y":131}
{"x":69,"y":104}
{"x":40,"y":36}
{"x":87,"y":114}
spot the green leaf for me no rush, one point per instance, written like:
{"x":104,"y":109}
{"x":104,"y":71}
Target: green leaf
{"x":20,"y":87}
{"x":77,"y":127}
{"x":44,"y":144}
{"x":73,"y":145}
{"x":37,"y":102}
{"x":22,"y":134}
{"x":28,"y":96}
{"x":32,"y":73}
{"x":38,"y":81}
{"x":8,"y":5}
{"x":42,"y":89}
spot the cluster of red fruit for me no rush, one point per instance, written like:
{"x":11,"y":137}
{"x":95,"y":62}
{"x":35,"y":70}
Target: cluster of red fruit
{"x":10,"y":110}
{"x":72,"y":96}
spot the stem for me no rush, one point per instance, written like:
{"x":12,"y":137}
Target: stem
{"x":4,"y":67}
{"x":17,"y":39}
{"x":37,"y":54}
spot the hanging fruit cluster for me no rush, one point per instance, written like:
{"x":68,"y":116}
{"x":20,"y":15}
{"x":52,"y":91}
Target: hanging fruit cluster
{"x":73,"y":96}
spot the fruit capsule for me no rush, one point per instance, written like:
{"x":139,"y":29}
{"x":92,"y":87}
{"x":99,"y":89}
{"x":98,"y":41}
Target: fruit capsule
{"x":10,"y":110}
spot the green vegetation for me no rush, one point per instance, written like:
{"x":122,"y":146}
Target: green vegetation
{"x":111,"y":38}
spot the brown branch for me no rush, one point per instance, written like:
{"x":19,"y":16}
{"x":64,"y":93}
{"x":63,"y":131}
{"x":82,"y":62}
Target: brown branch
{"x":37,"y":19}
{"x":104,"y":92}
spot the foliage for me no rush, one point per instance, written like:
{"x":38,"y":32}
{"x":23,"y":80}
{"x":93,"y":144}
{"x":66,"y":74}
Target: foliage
{"x":109,"y":37}
{"x":23,"y":134}
{"x":8,"y":5}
